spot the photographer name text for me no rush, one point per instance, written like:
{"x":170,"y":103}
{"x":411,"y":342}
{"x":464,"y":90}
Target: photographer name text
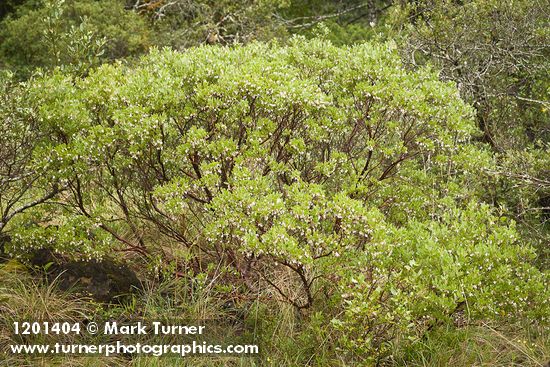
{"x":156,"y":328}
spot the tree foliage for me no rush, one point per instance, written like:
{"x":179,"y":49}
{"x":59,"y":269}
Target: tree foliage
{"x":73,"y":34}
{"x":498,"y":54}
{"x":378,"y":168}
{"x":282,"y":160}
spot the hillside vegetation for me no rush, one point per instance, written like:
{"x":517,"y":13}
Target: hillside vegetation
{"x":361,"y":183}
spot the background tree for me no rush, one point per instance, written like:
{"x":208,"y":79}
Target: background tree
{"x":497,"y":53}
{"x":182,"y":24}
{"x":73,"y":34}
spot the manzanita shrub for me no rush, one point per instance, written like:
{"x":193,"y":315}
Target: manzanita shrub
{"x":315,"y":174}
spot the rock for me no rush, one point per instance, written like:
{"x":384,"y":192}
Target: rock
{"x":104,"y":280}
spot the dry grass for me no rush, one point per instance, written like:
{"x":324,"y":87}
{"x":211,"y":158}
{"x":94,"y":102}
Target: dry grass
{"x":286,"y":338}
{"x":23,"y":298}
{"x":483,"y":345}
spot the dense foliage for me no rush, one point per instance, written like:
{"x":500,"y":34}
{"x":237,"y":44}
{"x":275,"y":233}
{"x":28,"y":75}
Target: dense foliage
{"x":73,"y":34}
{"x":358,"y":175}
{"x":498,"y":54}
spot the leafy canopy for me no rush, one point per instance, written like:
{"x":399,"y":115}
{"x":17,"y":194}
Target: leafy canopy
{"x":285,"y":160}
